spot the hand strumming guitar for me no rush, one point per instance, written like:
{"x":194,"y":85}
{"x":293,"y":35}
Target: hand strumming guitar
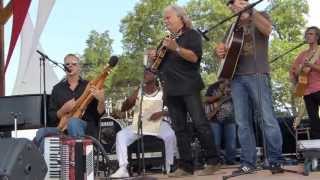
{"x":66,"y":108}
{"x":221,"y":50}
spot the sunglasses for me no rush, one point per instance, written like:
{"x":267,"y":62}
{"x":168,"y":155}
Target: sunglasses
{"x":68,"y":64}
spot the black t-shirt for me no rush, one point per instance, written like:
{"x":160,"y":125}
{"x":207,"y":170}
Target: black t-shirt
{"x":61,"y":93}
{"x":180,"y":76}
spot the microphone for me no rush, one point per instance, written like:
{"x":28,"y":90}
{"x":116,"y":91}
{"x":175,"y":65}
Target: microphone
{"x":145,"y":59}
{"x":203,"y":34}
{"x":66,"y":68}
{"x":42,"y":54}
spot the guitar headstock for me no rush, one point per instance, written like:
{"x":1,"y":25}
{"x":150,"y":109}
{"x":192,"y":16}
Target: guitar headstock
{"x":113,"y":61}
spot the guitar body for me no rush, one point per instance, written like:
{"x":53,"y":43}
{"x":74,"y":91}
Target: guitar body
{"x":211,"y":114}
{"x":234,"y":45}
{"x":301,"y":84}
{"x":302,"y":81}
{"x":211,"y":109}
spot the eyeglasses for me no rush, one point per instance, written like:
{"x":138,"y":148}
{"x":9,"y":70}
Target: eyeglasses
{"x":68,"y":64}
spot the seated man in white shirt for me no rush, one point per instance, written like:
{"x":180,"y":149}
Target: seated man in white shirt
{"x":153,"y":122}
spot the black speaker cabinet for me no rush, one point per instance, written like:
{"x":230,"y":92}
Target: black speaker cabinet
{"x":21,"y":160}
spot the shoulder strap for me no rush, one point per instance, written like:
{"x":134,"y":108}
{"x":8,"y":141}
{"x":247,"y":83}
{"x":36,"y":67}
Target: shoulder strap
{"x":315,"y":56}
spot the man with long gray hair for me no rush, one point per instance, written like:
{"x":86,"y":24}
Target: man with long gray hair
{"x":182,"y":84}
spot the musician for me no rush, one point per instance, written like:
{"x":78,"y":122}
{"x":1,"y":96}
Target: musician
{"x":218,"y":99}
{"x":308,"y":61}
{"x":182,"y":84}
{"x":251,"y":91}
{"x":154,"y":121}
{"x":62,"y":100}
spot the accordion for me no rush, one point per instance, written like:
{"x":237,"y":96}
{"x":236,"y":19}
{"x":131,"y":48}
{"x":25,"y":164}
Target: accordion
{"x":69,"y":158}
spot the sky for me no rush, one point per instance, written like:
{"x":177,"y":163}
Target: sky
{"x":71,"y":21}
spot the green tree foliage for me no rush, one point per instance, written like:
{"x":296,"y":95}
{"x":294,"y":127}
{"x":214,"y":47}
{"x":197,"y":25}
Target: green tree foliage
{"x":97,"y":54}
{"x":96,"y":57}
{"x":288,"y":18}
{"x":205,"y":15}
{"x":143,"y":28}
{"x":289,"y":23}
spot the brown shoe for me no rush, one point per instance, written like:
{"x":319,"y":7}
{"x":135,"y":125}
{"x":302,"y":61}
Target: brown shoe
{"x":208,"y":170}
{"x":179,"y":173}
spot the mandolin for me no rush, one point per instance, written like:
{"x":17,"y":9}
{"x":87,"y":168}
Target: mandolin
{"x":161,"y":52}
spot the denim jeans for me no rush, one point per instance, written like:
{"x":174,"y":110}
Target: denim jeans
{"x":228,"y":131}
{"x":76,"y":128}
{"x":252,"y":93}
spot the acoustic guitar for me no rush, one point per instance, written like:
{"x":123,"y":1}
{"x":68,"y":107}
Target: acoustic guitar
{"x":302,"y":81}
{"x":212,"y":109}
{"x":234,"y":43}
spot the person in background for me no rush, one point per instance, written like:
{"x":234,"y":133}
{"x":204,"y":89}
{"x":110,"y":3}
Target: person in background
{"x":308,"y":62}
{"x":221,"y":115}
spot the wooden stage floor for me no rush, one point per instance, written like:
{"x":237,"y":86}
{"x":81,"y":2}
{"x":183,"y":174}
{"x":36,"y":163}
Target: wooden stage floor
{"x":260,"y":175}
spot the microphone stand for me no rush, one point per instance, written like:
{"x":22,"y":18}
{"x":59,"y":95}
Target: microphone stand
{"x":140,"y":129}
{"x":287,"y":52}
{"x":42,"y":59}
{"x":204,"y":32}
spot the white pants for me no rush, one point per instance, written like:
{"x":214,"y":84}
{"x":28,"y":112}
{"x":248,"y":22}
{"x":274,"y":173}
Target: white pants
{"x":127,"y":136}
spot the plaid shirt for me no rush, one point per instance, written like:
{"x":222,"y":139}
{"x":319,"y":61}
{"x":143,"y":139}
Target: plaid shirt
{"x":225,"y":113}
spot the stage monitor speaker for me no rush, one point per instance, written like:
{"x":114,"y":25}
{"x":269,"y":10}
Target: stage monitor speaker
{"x":21,"y":160}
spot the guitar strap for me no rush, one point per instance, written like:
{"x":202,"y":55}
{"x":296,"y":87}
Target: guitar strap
{"x":316,"y":56}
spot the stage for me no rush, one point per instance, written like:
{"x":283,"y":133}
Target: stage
{"x":226,"y":170}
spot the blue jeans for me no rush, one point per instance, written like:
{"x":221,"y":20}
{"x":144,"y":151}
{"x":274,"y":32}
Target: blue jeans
{"x":76,"y":128}
{"x":252,"y":93}
{"x":230,"y":139}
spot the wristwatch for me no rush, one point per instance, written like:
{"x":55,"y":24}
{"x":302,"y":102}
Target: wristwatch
{"x":178,"y":49}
